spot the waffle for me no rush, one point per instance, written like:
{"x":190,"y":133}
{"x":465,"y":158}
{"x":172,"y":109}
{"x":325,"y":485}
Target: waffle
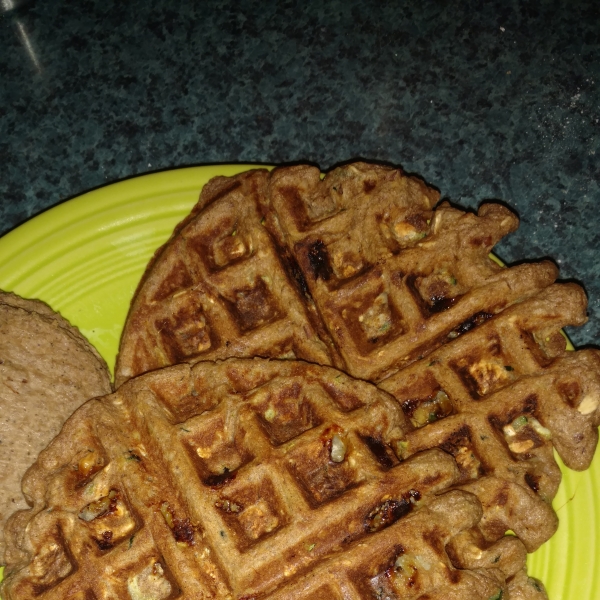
{"x":47,"y":370}
{"x":355,"y":271}
{"x":501,"y":399}
{"x":361,"y":270}
{"x":247,"y":479}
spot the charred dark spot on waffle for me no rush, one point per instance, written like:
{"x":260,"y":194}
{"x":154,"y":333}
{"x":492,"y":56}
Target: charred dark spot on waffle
{"x":105,"y":542}
{"x":178,"y":279}
{"x":533,"y":481}
{"x":470,"y":323}
{"x":409,"y":406}
{"x":318,"y":260}
{"x":413,"y":495}
{"x":182,"y":529}
{"x":440,"y":303}
{"x":216,"y":481}
{"x":381,"y":451}
{"x":433,"y":304}
{"x":185,"y":332}
{"x":439,"y":290}
{"x":292,"y":268}
{"x":483,"y":372}
{"x":345,"y":400}
{"x":386,"y":514}
{"x":254,"y":306}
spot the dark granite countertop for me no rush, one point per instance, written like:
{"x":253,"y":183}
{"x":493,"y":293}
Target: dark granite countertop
{"x":485,"y":100}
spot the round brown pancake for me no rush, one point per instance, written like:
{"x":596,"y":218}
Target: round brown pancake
{"x":47,"y":370}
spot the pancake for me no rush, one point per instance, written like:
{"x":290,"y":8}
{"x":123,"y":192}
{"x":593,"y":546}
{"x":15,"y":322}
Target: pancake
{"x":47,"y":370}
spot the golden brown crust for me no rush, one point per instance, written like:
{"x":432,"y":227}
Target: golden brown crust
{"x":187,"y":307}
{"x":512,"y":394}
{"x":356,"y":271}
{"x":396,"y":290}
{"x":225,"y":480}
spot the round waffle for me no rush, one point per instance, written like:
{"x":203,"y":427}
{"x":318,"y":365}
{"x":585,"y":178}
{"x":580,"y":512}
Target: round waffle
{"x":249,"y":478}
{"x":356,"y":270}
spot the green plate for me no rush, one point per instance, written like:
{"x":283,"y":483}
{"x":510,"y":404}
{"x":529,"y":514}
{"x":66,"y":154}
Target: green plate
{"x":86,"y":256}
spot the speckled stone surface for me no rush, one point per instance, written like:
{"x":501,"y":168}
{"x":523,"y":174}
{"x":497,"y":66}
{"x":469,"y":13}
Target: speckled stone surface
{"x":486,"y":100}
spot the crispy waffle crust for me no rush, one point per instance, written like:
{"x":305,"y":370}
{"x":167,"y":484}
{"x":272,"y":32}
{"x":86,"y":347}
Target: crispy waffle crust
{"x":47,"y":370}
{"x":362,"y":271}
{"x":250,"y":479}
{"x":356,"y":271}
